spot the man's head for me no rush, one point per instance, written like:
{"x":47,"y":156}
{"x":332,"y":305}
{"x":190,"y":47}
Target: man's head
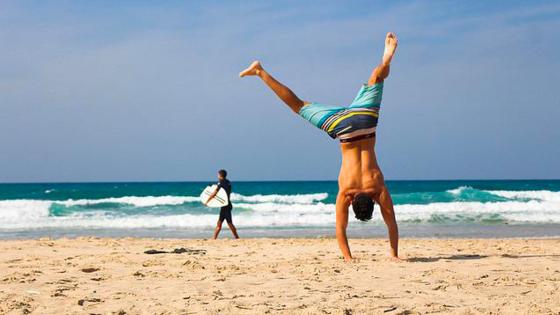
{"x":362,"y":204}
{"x":222,"y":174}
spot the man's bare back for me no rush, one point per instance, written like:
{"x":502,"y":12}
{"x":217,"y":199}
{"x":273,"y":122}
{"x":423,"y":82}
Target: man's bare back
{"x":360,"y":173}
{"x":355,"y":126}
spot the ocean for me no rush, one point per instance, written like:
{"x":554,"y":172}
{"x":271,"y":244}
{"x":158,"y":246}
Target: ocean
{"x":440,"y":209}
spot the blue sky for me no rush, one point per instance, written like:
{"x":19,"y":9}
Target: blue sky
{"x":146,"y":90}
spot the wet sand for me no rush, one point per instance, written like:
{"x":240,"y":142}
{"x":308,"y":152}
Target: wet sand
{"x":278,"y":276}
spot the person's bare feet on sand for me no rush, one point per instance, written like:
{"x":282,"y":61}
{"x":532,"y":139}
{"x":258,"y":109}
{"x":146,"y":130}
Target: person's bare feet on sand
{"x":391,"y":43}
{"x":254,"y":69}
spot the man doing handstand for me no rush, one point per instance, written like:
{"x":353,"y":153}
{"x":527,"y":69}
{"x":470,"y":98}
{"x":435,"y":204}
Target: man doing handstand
{"x":360,"y":182}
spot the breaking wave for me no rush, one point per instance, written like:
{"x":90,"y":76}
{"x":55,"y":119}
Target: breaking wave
{"x":462,"y":204}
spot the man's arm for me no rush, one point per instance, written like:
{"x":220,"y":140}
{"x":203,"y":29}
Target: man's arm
{"x":341,"y":224}
{"x":212,"y":195}
{"x":388,"y":213}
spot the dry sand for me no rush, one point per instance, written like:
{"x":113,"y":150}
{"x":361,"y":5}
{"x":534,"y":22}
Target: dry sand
{"x":282,"y":276}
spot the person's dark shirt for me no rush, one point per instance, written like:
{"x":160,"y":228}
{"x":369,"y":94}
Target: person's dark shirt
{"x":226,"y":185}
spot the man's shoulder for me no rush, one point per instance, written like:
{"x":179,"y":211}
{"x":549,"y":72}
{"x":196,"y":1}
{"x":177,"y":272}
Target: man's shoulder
{"x":224,"y":182}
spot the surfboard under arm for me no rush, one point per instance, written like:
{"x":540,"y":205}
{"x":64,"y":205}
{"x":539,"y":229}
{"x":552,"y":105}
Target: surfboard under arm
{"x":220,"y":200}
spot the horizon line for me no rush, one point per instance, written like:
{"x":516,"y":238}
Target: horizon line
{"x":269,"y":180}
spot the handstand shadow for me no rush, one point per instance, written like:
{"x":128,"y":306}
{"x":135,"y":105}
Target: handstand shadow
{"x":452,"y":257}
{"x":527,"y":256}
{"x":471,"y":257}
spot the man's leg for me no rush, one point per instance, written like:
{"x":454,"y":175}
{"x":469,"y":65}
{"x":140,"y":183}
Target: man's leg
{"x":218,"y":228}
{"x":381,"y":72}
{"x":229,"y":220}
{"x":233,"y":229}
{"x":283,"y":92}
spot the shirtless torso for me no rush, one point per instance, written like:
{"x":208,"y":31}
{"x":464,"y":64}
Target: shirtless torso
{"x":360,"y":173}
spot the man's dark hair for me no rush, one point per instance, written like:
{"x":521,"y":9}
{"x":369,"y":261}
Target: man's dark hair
{"x":223,"y":173}
{"x":362,"y":206}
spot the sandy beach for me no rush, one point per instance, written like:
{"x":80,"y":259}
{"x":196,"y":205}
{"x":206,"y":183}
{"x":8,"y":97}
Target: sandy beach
{"x":281,"y":276}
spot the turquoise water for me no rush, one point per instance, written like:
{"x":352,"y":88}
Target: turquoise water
{"x":265,"y":208}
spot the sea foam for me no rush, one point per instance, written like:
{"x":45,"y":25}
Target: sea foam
{"x":268,"y":211}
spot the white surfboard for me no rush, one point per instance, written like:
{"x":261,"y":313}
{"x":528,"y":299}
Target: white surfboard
{"x":220,"y":200}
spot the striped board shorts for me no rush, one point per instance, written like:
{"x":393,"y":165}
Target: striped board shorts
{"x":359,"y":120}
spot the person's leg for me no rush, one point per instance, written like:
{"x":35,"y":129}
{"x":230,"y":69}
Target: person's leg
{"x":218,"y":228}
{"x":381,"y":72}
{"x":283,"y":92}
{"x":229,"y":220}
{"x":233,"y":229}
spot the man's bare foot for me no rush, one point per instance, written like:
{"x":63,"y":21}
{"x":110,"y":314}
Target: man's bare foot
{"x":391,"y":43}
{"x":396,"y":259}
{"x":254,"y":69}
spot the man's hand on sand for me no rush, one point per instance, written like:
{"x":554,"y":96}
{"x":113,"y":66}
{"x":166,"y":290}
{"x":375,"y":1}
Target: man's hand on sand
{"x":350,"y":260}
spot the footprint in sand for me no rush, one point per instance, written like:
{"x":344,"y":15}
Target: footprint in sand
{"x":81,"y":302}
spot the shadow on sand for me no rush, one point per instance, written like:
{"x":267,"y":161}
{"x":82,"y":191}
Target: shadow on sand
{"x":471,"y":257}
{"x":452,"y":257}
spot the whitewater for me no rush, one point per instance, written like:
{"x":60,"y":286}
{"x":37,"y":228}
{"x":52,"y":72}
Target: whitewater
{"x":265,"y":205}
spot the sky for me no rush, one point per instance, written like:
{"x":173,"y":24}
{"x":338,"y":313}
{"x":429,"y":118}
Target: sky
{"x":149,"y":90}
